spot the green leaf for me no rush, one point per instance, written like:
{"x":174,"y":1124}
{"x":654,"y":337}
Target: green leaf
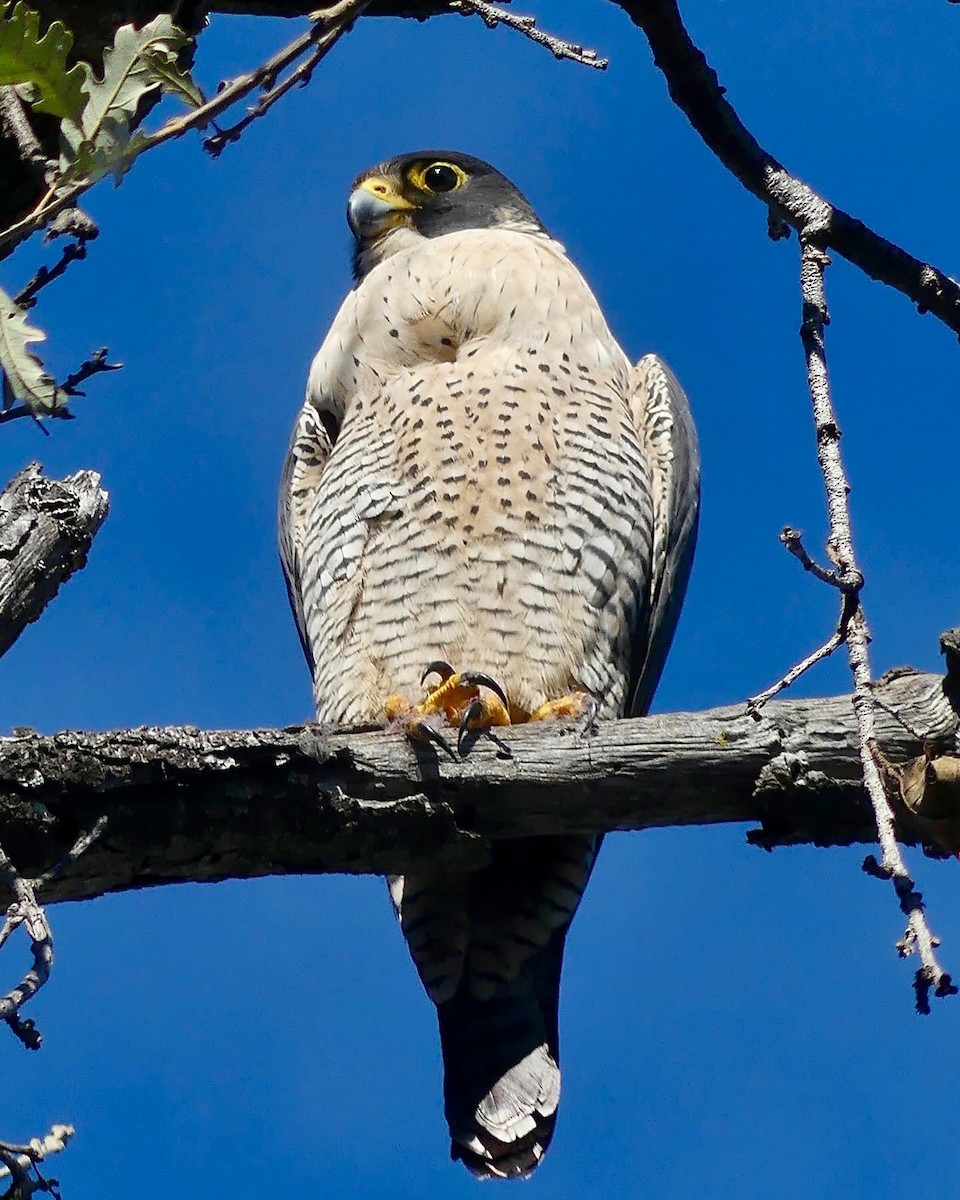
{"x":139,"y":62}
{"x":174,"y":81}
{"x":112,"y":153}
{"x":24,"y":379}
{"x":27,"y":58}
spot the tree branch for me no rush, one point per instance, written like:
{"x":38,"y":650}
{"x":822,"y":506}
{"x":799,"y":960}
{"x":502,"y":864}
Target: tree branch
{"x":46,"y":527}
{"x":848,"y":576}
{"x":183,"y":804}
{"x":20,"y":1162}
{"x":27,"y":911}
{"x":695,"y":89}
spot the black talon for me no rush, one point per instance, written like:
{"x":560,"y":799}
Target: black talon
{"x":473,"y":710}
{"x":483,"y":680}
{"x":425,"y":730}
{"x":443,"y":669}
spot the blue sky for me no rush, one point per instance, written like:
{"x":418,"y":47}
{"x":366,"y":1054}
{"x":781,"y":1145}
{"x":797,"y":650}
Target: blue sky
{"x":733,"y":1023}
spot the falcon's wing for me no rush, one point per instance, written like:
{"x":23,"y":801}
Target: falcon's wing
{"x":315,"y":432}
{"x":662,"y":414}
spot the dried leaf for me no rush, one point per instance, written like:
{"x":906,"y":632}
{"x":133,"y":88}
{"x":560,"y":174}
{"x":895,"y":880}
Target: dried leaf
{"x":930,"y":788}
{"x":24,"y":379}
{"x":41,"y":62}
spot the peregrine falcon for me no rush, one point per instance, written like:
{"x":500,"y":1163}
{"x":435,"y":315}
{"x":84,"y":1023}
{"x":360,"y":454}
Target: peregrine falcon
{"x":487,"y":516}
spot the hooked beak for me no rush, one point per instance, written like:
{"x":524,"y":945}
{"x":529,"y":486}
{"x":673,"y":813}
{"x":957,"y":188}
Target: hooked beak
{"x":376,"y":206}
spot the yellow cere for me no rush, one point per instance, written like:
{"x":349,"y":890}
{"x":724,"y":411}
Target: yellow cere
{"x":385,"y":190}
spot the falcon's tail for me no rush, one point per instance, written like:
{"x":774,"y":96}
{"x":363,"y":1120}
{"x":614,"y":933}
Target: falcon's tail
{"x":501,"y":1071}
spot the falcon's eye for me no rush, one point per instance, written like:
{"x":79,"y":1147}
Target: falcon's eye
{"x":438,"y":177}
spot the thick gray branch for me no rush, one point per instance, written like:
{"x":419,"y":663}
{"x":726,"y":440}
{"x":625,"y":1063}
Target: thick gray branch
{"x":190,"y":805}
{"x":46,"y":527}
{"x":695,"y":89}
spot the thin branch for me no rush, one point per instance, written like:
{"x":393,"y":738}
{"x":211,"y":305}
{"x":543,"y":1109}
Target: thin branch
{"x":792,"y":540}
{"x":849,"y":584}
{"x":918,"y":937}
{"x":833,"y":642}
{"x":19,"y":412}
{"x":694,"y":87}
{"x":72,"y":251}
{"x":27,"y":911}
{"x":80,"y":846}
{"x":20,"y":1160}
{"x":328,"y":25}
{"x":96,"y":364}
{"x":321,"y":37}
{"x":492,"y":16}
{"x":893,"y":712}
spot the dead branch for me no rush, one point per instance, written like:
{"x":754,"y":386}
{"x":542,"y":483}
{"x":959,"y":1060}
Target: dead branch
{"x":492,"y":16}
{"x":46,"y":527}
{"x":849,"y":578}
{"x":695,"y":89}
{"x":790,"y":677}
{"x":189,"y":805}
{"x":27,"y":911}
{"x":20,"y":1163}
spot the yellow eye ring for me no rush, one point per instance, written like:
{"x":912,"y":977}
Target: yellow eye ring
{"x":437,"y":177}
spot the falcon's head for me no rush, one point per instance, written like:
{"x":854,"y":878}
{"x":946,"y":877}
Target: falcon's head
{"x":425,"y":195}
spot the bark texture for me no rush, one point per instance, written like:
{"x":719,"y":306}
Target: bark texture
{"x":46,"y":527}
{"x":183,"y":804}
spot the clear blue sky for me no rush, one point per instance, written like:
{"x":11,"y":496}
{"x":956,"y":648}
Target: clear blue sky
{"x":734,"y":1024}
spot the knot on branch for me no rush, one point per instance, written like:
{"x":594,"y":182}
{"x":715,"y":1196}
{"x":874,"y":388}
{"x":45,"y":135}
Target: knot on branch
{"x":781,"y":774}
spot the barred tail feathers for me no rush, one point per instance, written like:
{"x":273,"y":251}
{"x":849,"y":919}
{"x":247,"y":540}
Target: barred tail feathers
{"x":488,"y":946}
{"x":501,"y":1070}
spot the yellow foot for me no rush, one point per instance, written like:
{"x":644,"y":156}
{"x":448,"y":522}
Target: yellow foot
{"x":574,"y":704}
{"x":580,"y":706}
{"x":457,"y":700}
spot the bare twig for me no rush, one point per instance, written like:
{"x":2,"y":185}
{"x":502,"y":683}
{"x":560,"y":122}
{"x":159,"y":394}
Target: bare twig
{"x":20,"y":1163}
{"x":321,"y":37}
{"x":849,"y":582}
{"x":27,"y":911}
{"x":80,"y":846}
{"x":72,"y":251}
{"x":83,"y":231}
{"x":892,"y":866}
{"x":327,"y":23}
{"x":694,"y":87}
{"x":892,"y":712}
{"x":96,"y":364}
{"x":18,"y":411}
{"x":833,"y":642}
{"x":792,"y":540}
{"x":492,"y":16}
